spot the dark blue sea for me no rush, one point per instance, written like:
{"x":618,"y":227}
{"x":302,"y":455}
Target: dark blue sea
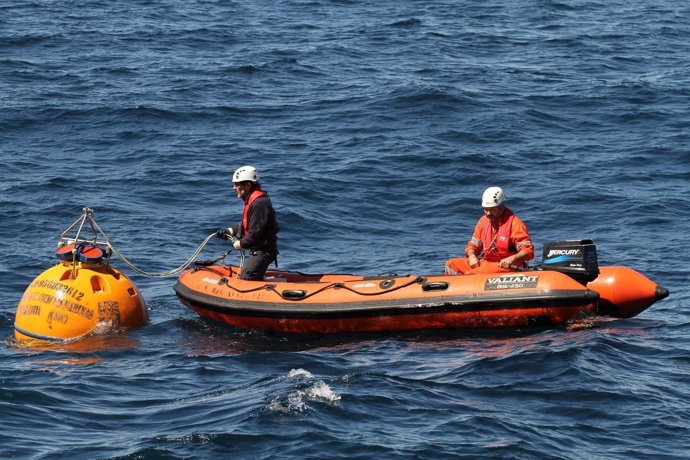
{"x":375,"y":127}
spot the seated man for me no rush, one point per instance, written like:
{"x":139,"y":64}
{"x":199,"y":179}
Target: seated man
{"x":500,"y":235}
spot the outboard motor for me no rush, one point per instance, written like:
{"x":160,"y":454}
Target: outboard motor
{"x":575,"y":258}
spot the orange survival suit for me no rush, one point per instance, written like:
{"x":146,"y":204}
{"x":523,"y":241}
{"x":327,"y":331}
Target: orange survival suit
{"x":494,"y":244}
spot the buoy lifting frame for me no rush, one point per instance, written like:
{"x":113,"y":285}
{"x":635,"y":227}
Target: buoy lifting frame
{"x":79,"y":242}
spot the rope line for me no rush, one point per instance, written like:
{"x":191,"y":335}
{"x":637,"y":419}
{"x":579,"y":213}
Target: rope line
{"x":165,"y":274}
{"x":417,"y":279}
{"x":88,"y":217}
{"x":334,"y":285}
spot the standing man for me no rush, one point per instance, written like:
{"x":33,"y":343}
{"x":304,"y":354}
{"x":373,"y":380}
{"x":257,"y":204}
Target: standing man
{"x":499,"y":236}
{"x":259,"y":227}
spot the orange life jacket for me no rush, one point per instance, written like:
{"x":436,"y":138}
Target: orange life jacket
{"x":497,"y":247}
{"x":257,"y":193}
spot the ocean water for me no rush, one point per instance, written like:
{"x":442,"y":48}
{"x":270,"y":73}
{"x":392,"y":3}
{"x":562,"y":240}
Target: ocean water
{"x":375,"y":127}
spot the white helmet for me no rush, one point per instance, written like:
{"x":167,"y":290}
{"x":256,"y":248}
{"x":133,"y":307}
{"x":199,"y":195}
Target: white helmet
{"x":493,"y":196}
{"x":246,"y":173}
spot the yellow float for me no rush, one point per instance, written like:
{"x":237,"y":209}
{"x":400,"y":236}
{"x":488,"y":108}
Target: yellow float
{"x":80,"y":295}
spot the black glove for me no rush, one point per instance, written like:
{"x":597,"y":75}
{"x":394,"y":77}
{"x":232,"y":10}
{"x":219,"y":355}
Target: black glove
{"x":224,"y":233}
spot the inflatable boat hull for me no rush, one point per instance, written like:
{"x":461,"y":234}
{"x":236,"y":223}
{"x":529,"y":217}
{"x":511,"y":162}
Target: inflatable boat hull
{"x":295,"y":303}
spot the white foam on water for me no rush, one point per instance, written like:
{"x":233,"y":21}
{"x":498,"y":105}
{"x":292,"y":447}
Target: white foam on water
{"x":296,"y":374}
{"x":296,"y":401}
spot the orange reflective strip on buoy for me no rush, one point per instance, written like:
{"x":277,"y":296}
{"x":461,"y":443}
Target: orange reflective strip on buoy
{"x":91,"y":254}
{"x":88,"y":253}
{"x":65,"y":252}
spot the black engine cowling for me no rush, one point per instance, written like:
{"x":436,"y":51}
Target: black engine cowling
{"x":575,"y":258}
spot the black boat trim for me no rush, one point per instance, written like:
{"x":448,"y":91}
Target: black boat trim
{"x":390,"y":307}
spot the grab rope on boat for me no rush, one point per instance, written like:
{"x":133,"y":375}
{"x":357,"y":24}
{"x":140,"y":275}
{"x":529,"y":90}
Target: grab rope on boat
{"x":301,"y":294}
{"x":87,"y":218}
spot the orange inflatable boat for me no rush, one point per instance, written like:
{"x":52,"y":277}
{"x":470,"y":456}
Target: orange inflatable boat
{"x":288,"y":302}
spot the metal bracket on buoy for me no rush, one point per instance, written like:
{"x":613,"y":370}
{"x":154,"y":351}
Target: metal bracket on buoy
{"x":87,"y":217}
{"x":80,"y":248}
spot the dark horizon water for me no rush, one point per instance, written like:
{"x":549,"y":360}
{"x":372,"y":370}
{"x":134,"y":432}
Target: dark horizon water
{"x":375,"y":128}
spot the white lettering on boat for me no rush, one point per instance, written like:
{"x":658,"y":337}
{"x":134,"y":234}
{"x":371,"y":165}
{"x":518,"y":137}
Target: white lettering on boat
{"x":563,"y":252}
{"x":511,"y":282}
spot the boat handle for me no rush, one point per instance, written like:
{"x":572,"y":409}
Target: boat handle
{"x":435,"y":286}
{"x":293,"y":294}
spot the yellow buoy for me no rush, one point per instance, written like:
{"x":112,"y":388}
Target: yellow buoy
{"x":79,"y":295}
